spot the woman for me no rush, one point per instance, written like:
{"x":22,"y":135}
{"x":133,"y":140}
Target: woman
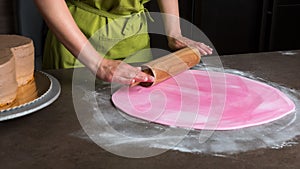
{"x":71,"y":22}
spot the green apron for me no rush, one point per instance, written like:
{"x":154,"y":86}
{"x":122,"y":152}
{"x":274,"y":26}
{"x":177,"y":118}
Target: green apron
{"x":116,"y":28}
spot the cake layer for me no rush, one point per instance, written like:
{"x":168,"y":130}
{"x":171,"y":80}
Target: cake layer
{"x":27,"y":93}
{"x":8,"y":83}
{"x":23,"y":51}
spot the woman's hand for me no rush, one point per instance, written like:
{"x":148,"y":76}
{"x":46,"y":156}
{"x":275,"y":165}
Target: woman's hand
{"x":173,"y":30}
{"x":179,"y":42}
{"x":121,"y":72}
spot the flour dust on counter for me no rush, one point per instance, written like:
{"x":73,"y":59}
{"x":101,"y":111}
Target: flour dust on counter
{"x":127,"y":136}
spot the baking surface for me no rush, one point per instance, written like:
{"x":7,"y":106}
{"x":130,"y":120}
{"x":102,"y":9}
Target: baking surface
{"x":51,"y":137}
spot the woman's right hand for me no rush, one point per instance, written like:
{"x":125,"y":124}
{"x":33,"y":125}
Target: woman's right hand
{"x":121,"y":72}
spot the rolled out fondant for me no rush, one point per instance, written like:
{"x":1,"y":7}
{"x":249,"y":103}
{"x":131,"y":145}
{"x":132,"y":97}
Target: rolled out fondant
{"x":205,"y":100}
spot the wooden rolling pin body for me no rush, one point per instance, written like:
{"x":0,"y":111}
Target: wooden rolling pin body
{"x":170,"y":65}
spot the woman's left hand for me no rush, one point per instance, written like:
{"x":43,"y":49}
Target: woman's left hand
{"x":180,"y":42}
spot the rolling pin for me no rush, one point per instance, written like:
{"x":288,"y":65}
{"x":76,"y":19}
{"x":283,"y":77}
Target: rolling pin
{"x":170,"y":65}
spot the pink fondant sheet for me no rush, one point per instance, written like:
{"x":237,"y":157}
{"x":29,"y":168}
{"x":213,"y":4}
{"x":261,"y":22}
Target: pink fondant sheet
{"x":205,"y":100}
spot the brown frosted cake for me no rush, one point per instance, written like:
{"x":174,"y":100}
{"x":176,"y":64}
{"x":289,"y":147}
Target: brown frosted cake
{"x":23,"y":51}
{"x":16,"y":66}
{"x":8,"y":83}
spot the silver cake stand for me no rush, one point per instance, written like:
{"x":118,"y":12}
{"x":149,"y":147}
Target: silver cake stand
{"x":48,"y":90}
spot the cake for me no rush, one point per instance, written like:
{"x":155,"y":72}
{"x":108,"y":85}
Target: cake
{"x":23,"y":51}
{"x":27,"y":93}
{"x":8,"y":83}
{"x":16,"y":65}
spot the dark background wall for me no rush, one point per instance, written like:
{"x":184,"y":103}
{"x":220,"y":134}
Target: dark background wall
{"x":7,"y":17}
{"x":244,"y":26}
{"x":233,"y":26}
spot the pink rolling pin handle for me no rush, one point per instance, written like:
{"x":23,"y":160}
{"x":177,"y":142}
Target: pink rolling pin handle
{"x":170,"y":65}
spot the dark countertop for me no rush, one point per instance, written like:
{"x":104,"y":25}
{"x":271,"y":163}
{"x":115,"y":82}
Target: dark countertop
{"x":43,"y":140}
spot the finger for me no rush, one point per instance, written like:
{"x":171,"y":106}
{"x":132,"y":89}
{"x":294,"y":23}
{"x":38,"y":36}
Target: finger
{"x":206,"y":48}
{"x":210,"y":49}
{"x":202,"y":52}
{"x":143,"y":77}
{"x":122,"y":80}
{"x":129,"y":75}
